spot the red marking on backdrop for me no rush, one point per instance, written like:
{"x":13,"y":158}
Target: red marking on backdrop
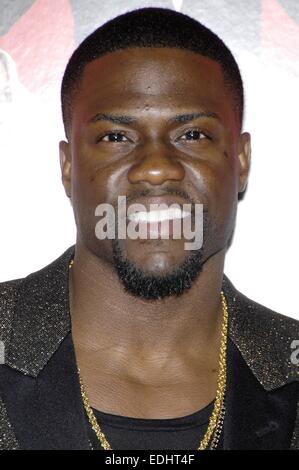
{"x":40,"y":43}
{"x":280,"y":32}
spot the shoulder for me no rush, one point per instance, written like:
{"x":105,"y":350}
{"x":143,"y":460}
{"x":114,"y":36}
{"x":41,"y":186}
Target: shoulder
{"x":8,"y":293}
{"x":8,"y":297}
{"x":268,"y":340}
{"x":266,"y":320}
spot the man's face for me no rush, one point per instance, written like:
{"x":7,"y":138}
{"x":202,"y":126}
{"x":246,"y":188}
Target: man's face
{"x":154,"y":156}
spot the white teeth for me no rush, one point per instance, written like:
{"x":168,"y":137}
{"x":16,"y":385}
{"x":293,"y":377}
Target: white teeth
{"x":159,"y":215}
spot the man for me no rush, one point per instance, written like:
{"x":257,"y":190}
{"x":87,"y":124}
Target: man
{"x":140,"y":343}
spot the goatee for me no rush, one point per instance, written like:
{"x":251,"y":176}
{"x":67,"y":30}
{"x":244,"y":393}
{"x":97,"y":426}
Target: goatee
{"x":154,"y":287}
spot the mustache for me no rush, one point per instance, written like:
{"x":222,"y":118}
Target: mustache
{"x":179,"y":192}
{"x":148,"y":192}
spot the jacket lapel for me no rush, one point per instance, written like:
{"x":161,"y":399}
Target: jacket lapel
{"x":41,"y":319}
{"x":40,"y":388}
{"x":46,"y":411}
{"x":262,"y":382}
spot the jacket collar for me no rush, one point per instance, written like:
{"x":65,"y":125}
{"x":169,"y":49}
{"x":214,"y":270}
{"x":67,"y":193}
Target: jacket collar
{"x":41,"y":321}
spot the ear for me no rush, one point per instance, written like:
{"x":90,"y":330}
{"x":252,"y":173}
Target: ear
{"x":244,"y":157}
{"x":66,"y":166}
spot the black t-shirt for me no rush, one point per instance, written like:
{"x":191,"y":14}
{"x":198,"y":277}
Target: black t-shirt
{"x":126,"y":433}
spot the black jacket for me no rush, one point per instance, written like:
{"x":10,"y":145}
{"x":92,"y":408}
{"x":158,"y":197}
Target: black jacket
{"x":40,"y":401}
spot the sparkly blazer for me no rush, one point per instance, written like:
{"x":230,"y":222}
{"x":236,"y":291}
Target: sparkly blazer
{"x":40,"y":401}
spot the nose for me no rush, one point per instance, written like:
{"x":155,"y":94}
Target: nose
{"x":156,"y":166}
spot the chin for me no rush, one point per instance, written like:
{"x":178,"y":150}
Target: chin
{"x":158,"y":275}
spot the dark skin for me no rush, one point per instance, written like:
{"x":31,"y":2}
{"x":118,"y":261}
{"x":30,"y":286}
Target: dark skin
{"x":151,"y":358}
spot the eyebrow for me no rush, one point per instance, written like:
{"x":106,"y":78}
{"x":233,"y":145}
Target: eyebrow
{"x":123,"y":119}
{"x":192,"y":116}
{"x":113,"y":118}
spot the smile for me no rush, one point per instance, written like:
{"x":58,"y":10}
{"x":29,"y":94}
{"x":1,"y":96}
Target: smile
{"x":158,"y":215}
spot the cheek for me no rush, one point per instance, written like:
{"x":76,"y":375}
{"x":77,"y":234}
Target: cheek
{"x":224,"y":209}
{"x":87,"y":183}
{"x":218,"y":183}
{"x":225,"y":195}
{"x":87,"y":193}
{"x":217,"y":180}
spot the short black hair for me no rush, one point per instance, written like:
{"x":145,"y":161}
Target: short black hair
{"x":150,"y":27}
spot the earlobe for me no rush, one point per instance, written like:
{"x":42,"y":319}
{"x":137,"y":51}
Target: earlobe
{"x":244,"y":156}
{"x":65,"y":165}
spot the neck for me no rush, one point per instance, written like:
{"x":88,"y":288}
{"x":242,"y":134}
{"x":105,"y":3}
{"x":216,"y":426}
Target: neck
{"x":108,"y":320}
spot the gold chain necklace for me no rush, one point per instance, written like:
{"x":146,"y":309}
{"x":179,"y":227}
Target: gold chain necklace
{"x":216,"y":420}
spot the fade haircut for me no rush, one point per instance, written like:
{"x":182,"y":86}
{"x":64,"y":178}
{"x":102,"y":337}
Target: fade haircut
{"x":150,"y":27}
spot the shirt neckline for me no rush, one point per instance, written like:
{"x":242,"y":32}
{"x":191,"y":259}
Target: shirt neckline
{"x":195,"y":419}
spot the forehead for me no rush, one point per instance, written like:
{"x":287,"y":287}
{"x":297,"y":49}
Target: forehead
{"x":154,"y":77}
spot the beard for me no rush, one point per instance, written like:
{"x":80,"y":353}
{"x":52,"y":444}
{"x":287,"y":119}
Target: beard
{"x":155,"y":287}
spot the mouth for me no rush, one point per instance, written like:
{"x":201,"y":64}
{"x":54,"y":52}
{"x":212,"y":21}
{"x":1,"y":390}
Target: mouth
{"x":160,"y":218}
{"x":154,"y":216}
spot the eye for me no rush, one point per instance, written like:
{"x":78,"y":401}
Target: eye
{"x":194,"y":134}
{"x":113,"y":137}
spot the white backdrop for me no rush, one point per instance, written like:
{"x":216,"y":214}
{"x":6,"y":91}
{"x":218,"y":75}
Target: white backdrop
{"x":36,"y":217}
